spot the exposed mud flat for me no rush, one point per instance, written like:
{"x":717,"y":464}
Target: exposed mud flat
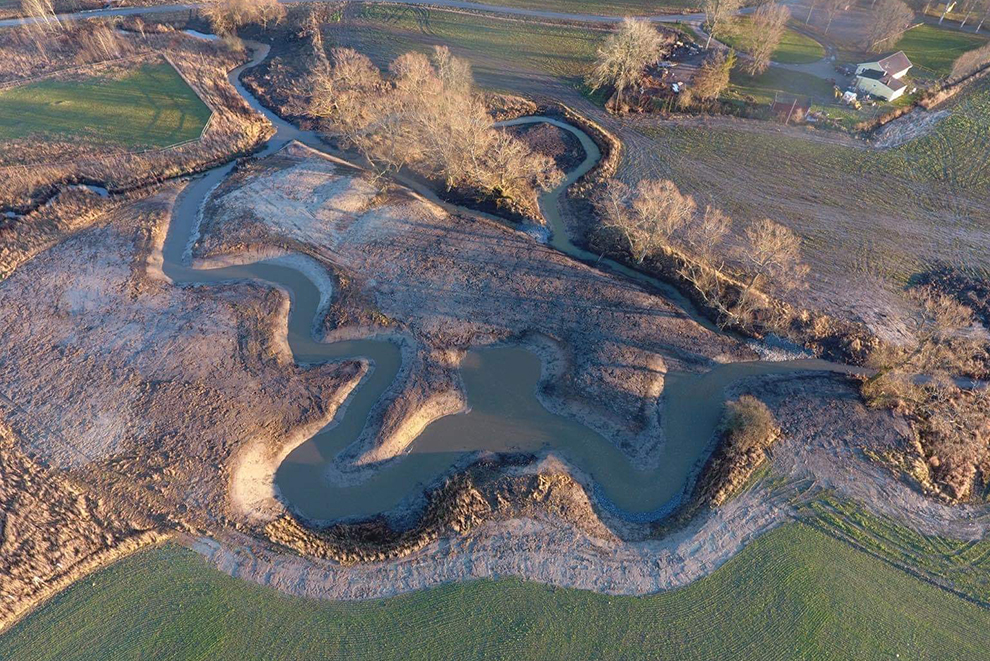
{"x":136,"y":393}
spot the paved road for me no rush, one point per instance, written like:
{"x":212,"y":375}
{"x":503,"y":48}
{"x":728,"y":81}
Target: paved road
{"x":451,"y":4}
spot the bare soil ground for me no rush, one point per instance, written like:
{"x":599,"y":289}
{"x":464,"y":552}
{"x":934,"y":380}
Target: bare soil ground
{"x":127,"y":397}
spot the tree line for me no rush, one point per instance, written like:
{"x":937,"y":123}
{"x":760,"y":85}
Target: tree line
{"x":653,"y":219}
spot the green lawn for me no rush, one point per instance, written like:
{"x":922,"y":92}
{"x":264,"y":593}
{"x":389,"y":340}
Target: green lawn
{"x":964,"y":566}
{"x":794,"y":47}
{"x":933,"y":49}
{"x":795,"y":593}
{"x":149,"y":107}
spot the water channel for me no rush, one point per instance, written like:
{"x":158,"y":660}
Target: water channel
{"x":504,"y":413}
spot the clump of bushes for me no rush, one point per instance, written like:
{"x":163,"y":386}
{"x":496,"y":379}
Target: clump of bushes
{"x":950,"y":419}
{"x":747,"y":430}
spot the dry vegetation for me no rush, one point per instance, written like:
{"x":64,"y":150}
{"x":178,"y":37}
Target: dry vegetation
{"x":227,"y":16}
{"x":126,"y":399}
{"x":951,"y":450}
{"x":29,"y":173}
{"x":425,"y":115}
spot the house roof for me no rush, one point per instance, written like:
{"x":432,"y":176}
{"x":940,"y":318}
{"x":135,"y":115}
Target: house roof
{"x":895,"y":62}
{"x":872,"y":73}
{"x":885,"y":79}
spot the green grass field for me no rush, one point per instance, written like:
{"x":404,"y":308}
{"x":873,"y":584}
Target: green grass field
{"x":887,"y":213}
{"x":558,"y":50}
{"x":933,"y":49}
{"x":149,"y":107}
{"x":963,"y":566}
{"x":795,"y":593}
{"x":794,"y":47}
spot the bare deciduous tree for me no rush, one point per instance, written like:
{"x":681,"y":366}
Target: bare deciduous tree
{"x":889,"y":20}
{"x":623,"y":58}
{"x":833,"y":7}
{"x":719,"y":15}
{"x":226,"y":16}
{"x":661,"y":211}
{"x":704,"y":268}
{"x":984,"y":10}
{"x":647,"y":218}
{"x":769,"y":24}
{"x":706,"y":234}
{"x":712,"y":77}
{"x":425,"y":114}
{"x":772,"y":256}
{"x":510,"y":168}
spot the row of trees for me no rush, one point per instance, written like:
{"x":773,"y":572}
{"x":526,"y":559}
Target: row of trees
{"x":733,"y":277}
{"x":423,"y":113}
{"x":226,"y":16}
{"x":968,"y":8}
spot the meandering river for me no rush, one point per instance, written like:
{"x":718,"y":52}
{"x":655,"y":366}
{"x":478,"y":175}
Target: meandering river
{"x":504,"y":412}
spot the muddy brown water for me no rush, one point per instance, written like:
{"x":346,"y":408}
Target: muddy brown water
{"x":504,"y":413}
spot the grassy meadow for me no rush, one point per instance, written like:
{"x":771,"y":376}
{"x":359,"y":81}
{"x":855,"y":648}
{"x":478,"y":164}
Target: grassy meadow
{"x":148,"y":107}
{"x":795,"y":593}
{"x":861,"y":211}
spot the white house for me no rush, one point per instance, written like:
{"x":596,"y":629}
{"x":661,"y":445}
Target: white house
{"x":882,"y":78}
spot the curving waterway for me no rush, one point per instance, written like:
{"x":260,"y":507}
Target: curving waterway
{"x":504,"y":414}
